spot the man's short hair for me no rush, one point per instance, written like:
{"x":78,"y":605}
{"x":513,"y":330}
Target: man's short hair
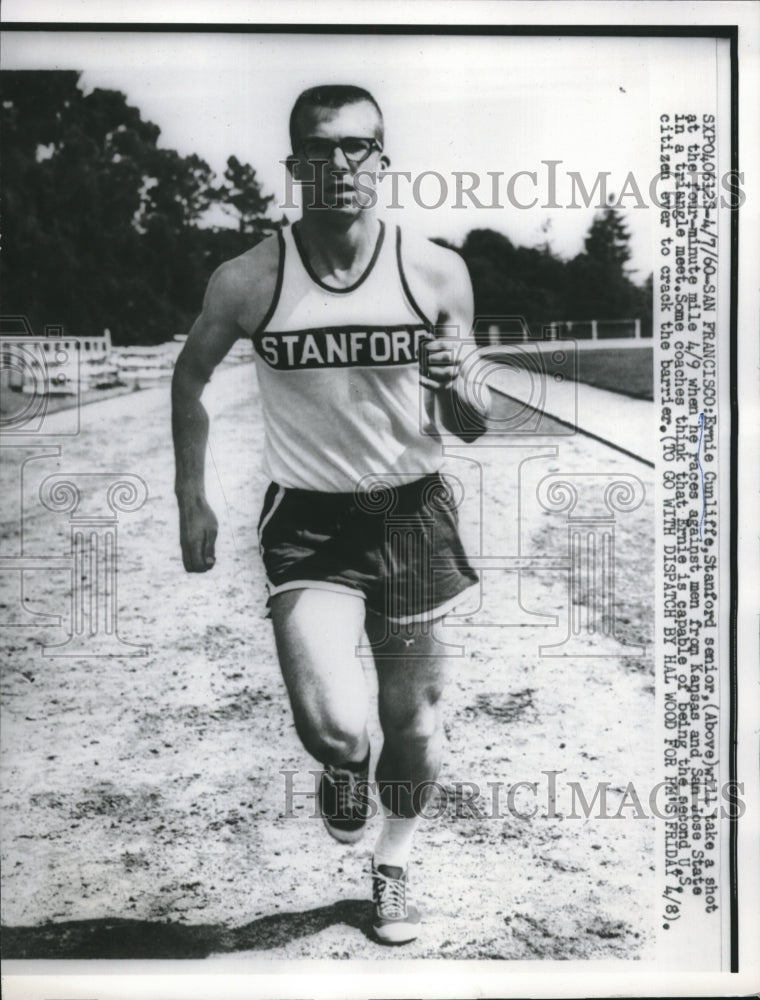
{"x":332,"y":96}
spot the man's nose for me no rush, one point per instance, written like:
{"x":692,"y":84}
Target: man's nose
{"x":338,"y":159}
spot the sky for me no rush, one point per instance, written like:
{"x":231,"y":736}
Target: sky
{"x":489,"y":105}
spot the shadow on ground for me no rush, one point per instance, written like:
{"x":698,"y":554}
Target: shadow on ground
{"x":106,"y":938}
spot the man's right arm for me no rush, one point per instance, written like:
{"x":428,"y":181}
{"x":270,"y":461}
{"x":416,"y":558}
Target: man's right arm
{"x":209,"y":340}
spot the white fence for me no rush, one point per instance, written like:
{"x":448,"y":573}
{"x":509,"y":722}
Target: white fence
{"x":594,"y":329}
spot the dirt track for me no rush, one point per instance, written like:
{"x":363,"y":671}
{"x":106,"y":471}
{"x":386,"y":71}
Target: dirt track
{"x":143,"y":809}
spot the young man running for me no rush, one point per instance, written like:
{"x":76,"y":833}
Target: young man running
{"x":337,"y":306}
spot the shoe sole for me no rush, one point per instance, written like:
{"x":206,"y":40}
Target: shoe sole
{"x":343,"y":836}
{"x":395,"y":933}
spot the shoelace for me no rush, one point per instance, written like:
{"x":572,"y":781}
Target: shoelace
{"x":344,"y":783}
{"x":391,"y":896}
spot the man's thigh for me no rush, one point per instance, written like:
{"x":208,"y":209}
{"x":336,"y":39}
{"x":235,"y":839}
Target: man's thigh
{"x":317,"y":633}
{"x":411,"y":672}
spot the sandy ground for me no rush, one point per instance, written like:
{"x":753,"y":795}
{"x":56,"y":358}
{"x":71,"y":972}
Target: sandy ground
{"x":144,"y":812}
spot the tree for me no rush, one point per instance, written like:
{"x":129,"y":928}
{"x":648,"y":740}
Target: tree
{"x":598,"y":285}
{"x":510,"y":281}
{"x":608,"y":239}
{"x":179,"y":189}
{"x":243,"y":193}
{"x":101,"y":225}
{"x":533,"y":283}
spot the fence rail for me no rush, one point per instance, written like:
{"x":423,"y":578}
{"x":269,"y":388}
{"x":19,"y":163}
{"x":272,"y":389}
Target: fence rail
{"x":516,"y":328}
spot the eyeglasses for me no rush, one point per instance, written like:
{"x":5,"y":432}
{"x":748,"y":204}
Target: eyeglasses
{"x":354,"y":149}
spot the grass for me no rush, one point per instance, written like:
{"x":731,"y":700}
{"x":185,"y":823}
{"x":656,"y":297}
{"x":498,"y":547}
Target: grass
{"x":627,"y":370}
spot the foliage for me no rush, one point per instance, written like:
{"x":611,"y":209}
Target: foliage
{"x":243,"y":194}
{"x":531,"y":282}
{"x":102,"y":226}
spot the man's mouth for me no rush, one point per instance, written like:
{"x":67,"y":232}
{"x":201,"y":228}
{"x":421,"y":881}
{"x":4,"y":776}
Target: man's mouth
{"x":340,"y":194}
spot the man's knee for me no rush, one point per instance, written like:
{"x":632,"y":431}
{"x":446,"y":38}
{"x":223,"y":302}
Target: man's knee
{"x":330,"y":741}
{"x":415,"y":722}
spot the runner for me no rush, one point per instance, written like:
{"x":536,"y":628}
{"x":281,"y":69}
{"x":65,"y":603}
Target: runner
{"x":338,"y":307}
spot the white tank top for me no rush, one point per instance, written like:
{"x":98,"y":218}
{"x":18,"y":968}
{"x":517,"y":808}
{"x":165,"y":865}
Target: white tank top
{"x":338,"y":375}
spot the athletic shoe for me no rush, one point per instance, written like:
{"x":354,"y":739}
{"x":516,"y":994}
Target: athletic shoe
{"x":343,"y":800}
{"x":396,"y":921}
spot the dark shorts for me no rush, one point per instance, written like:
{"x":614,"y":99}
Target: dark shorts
{"x":397,"y":547}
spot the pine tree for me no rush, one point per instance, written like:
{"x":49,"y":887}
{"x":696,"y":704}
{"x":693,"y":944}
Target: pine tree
{"x":608,"y":239}
{"x":243,"y":193}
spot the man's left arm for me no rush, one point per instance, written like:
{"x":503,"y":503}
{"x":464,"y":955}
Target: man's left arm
{"x":460,"y":412}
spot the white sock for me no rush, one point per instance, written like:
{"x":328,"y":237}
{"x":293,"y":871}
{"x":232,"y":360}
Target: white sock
{"x":394,"y":845}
